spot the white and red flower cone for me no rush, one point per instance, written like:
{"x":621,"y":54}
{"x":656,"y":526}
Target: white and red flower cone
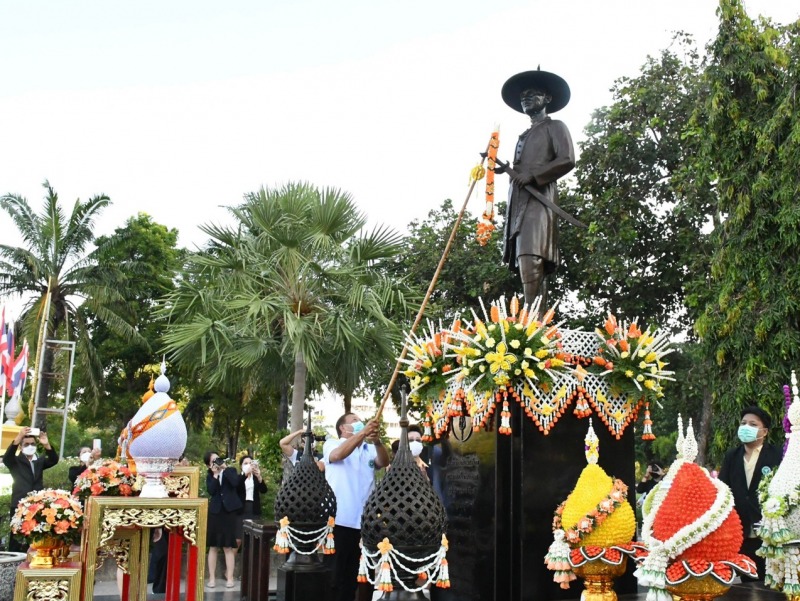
{"x":690,"y":527}
{"x":779,"y":496}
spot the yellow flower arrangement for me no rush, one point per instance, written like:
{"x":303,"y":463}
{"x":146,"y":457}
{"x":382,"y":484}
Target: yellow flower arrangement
{"x":586,"y":511}
{"x":509,"y":348}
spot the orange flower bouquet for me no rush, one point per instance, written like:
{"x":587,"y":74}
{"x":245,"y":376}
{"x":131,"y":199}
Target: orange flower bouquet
{"x":46,"y":514}
{"x":109,"y":478}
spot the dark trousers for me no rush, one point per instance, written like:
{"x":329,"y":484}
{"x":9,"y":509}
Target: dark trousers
{"x":344,"y":563}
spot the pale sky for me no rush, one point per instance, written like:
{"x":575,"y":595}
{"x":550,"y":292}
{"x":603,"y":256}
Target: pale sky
{"x":176,"y":108}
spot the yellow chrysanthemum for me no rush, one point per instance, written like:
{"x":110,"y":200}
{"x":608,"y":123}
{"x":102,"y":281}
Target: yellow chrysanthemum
{"x":593,"y":486}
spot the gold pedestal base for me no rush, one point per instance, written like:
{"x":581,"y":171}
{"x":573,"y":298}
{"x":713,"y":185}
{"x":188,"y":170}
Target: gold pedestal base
{"x":706,"y":588}
{"x":9,"y":434}
{"x":48,"y":553}
{"x":598,"y":579}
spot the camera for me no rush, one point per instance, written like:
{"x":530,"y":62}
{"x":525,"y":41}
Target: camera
{"x":219,"y":461}
{"x":34,"y":432}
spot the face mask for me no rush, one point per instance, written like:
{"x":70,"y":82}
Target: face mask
{"x":247,"y":468}
{"x":416,"y":447}
{"x":30,"y":451}
{"x":86,"y":457}
{"x":357,"y":427}
{"x":748,"y":433}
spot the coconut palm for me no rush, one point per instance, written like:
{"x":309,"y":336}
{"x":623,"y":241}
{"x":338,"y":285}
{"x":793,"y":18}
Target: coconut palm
{"x":57,"y":256}
{"x":295,"y":281}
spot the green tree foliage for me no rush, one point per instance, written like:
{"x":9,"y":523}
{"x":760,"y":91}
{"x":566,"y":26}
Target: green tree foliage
{"x":471,"y":270}
{"x":57,"y":254}
{"x":749,"y":133}
{"x":146,"y":255}
{"x":644,"y":229}
{"x":295,"y":281}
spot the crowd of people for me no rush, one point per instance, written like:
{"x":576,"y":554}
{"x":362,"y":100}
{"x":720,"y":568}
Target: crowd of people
{"x":349,"y":463}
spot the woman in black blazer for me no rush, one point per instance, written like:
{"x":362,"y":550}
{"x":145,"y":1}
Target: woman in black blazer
{"x":224,"y":507}
{"x":251,"y":487}
{"x":742,"y":469}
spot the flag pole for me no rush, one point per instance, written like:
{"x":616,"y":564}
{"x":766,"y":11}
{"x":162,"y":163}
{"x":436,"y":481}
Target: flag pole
{"x":37,"y":377}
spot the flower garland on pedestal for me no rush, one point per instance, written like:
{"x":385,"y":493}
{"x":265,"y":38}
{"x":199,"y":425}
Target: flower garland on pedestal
{"x":632,"y":363}
{"x":288,"y":538}
{"x":435,"y":388}
{"x":509,"y":355}
{"x":432,"y":568}
{"x":779,"y":497}
{"x":594,"y":523}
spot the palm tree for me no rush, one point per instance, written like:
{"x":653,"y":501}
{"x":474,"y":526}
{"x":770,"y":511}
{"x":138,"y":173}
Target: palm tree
{"x":296,"y":282}
{"x":55,"y":257}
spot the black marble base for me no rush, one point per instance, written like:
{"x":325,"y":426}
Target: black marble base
{"x":303,"y":584}
{"x":500,"y":493}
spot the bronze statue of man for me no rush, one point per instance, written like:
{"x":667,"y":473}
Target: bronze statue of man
{"x":543,"y":154}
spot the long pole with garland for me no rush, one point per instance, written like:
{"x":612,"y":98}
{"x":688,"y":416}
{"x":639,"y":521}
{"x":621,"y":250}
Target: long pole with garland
{"x":477,"y":173}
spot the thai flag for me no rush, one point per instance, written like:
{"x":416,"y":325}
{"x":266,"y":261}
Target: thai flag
{"x":6,"y":351}
{"x":19,"y":373}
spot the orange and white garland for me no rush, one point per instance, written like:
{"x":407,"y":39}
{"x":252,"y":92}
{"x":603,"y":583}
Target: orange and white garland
{"x":508,"y":354}
{"x":386,"y":560}
{"x":486,"y":221}
{"x":287,"y":538}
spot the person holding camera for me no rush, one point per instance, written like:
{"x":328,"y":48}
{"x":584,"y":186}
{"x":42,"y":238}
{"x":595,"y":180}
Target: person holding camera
{"x":87,"y":458}
{"x":224,"y":507}
{"x":251,"y":487}
{"x":27,"y":468}
{"x":651,"y":478}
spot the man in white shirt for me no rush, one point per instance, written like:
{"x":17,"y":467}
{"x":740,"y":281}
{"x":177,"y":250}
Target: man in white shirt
{"x":350,"y":463}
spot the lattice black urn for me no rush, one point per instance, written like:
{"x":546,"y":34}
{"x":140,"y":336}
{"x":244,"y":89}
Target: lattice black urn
{"x":404,"y":508}
{"x":307,"y":500}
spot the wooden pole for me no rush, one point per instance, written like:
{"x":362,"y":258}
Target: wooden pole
{"x":431,"y":288}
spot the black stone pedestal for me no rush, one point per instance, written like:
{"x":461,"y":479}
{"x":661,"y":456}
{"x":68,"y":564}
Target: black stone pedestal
{"x":303,"y":578}
{"x":500,"y":493}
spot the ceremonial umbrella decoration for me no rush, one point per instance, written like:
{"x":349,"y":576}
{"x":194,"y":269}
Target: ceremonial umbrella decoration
{"x":511,"y":354}
{"x":592,"y":530}
{"x":692,"y":532}
{"x":779,"y":497}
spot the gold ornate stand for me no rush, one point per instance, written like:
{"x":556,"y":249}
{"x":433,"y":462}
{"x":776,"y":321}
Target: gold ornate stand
{"x":598,"y":579}
{"x":118,"y":528}
{"x":706,"y":588}
{"x":62,"y":583}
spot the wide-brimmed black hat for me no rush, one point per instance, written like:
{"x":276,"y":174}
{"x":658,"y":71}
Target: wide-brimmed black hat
{"x":548,"y":82}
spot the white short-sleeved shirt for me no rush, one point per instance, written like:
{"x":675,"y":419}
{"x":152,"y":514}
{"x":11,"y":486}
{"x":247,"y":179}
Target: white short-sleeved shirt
{"x":351,"y":480}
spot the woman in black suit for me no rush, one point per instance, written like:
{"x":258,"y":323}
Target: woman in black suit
{"x":251,"y":487}
{"x":742,"y":469}
{"x":224,"y":507}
